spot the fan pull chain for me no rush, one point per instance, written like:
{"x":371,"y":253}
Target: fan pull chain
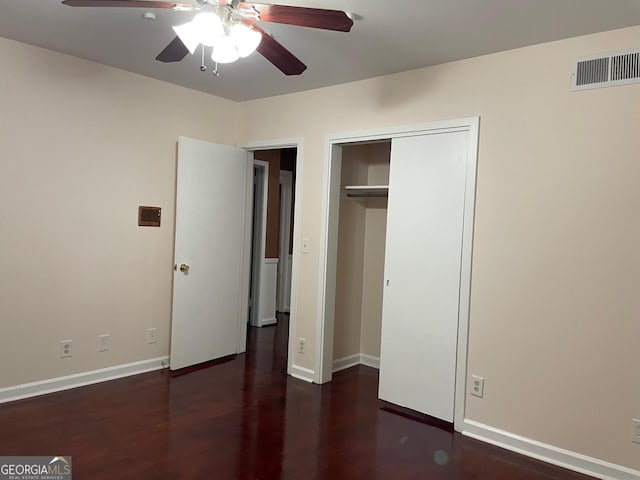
{"x":203,"y":67}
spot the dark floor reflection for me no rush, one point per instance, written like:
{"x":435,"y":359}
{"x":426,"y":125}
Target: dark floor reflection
{"x":245,"y":419}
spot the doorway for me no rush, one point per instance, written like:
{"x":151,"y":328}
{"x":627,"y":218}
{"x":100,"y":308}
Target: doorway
{"x":274,"y":259}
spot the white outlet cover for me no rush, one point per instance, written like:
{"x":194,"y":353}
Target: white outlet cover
{"x":152,"y":335}
{"x":66,"y":348}
{"x":103,"y":342}
{"x":476,"y":386}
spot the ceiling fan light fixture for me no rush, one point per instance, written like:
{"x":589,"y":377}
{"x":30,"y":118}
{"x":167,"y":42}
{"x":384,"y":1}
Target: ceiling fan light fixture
{"x":208,"y":27}
{"x":181,"y":7}
{"x":188,"y":35}
{"x":246,"y":39}
{"x":225,"y":51}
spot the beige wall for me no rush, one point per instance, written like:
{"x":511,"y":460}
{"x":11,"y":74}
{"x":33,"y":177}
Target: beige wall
{"x":82,"y":146}
{"x":350,"y":266}
{"x":375,"y":235}
{"x":554,"y":308}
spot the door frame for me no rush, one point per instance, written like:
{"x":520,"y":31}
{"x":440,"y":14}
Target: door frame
{"x":328,"y":248}
{"x":284,"y":266}
{"x":298,"y":144}
{"x":259,"y":213}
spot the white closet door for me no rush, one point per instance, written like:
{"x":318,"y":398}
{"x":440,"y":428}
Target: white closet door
{"x":422,"y":272}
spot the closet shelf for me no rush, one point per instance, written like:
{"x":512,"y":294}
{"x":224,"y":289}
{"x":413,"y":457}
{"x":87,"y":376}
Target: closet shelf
{"x":366,"y":191}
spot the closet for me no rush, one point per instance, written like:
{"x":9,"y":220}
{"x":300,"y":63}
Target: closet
{"x":360,"y":262}
{"x":402,"y":252}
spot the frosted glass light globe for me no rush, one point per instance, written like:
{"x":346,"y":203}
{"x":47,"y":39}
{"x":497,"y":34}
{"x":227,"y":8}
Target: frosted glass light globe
{"x":245,"y":38}
{"x":225,"y":51}
{"x":188,"y":35}
{"x":208,"y":27}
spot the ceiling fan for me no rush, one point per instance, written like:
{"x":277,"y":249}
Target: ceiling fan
{"x":229,"y":27}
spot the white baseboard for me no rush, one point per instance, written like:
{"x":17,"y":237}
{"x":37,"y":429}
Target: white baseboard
{"x":267,"y":321}
{"x":356,"y":359}
{"x":346,"y":362}
{"x":370,"y":361}
{"x":548,"y":453}
{"x":302,"y":373}
{"x":27,"y":390}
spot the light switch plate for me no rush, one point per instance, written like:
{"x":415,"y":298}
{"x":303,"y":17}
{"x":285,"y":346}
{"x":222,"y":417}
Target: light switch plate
{"x":306,"y":245}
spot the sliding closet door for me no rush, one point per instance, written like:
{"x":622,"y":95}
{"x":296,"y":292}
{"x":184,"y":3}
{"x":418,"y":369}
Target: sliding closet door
{"x":422,"y":272}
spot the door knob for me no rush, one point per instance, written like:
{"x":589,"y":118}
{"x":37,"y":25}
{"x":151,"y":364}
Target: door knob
{"x":184,"y":268}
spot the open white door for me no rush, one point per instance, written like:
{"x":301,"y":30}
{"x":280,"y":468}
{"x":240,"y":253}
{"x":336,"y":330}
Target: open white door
{"x":212,"y":242}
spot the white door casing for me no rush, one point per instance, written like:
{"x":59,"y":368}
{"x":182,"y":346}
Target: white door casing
{"x":422,"y":272}
{"x":259,"y":232}
{"x":298,"y":144}
{"x":284,"y":257}
{"x":212,"y":237}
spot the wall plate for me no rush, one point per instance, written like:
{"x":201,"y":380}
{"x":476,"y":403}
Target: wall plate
{"x":149,"y":216}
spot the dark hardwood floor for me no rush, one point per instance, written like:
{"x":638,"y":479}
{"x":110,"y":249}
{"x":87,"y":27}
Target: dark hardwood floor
{"x":245,"y":419}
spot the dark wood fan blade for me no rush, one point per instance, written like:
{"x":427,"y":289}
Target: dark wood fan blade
{"x":279,"y":56}
{"x":301,"y":16}
{"x":128,"y":3}
{"x":174,"y":52}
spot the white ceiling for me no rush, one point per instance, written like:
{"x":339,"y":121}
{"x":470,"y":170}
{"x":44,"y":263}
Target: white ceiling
{"x":388,"y":36}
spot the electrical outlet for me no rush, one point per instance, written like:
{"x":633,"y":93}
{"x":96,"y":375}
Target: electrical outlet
{"x":66,"y":348}
{"x":635,"y":436}
{"x":302,"y":343}
{"x":477,"y":386}
{"x":103,"y":342}
{"x":151,"y":335}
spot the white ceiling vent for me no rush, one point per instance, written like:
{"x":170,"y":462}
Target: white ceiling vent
{"x":609,"y":70}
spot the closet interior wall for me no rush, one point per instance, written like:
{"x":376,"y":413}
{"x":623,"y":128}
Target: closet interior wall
{"x":360,"y":262}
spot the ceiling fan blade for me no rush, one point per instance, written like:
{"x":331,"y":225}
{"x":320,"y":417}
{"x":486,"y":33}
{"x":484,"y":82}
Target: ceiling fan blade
{"x":301,"y":16}
{"x":128,"y":3}
{"x":174,"y":52}
{"x":279,"y":56}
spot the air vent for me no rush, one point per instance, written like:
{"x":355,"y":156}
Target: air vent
{"x":593,"y":71}
{"x":610,"y":70}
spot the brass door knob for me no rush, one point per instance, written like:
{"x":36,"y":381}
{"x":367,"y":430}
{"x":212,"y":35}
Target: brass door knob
{"x":184,"y":268}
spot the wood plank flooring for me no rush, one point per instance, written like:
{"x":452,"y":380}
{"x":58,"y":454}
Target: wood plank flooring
{"x":245,"y":419}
